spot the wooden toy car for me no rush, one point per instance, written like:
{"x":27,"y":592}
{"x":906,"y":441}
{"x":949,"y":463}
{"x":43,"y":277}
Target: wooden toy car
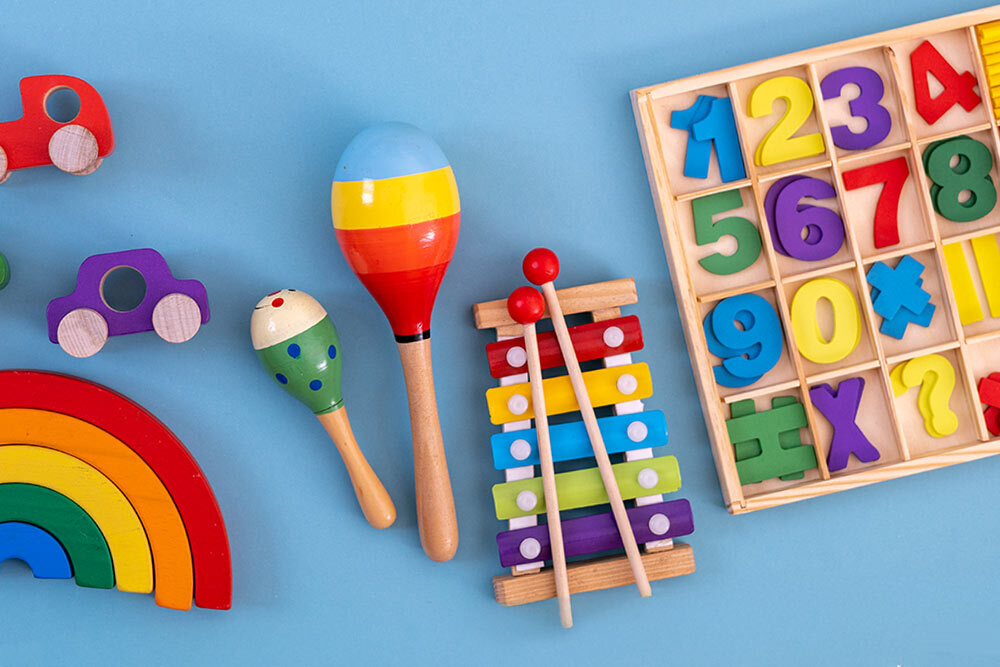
{"x":83,"y":321}
{"x":77,"y":146}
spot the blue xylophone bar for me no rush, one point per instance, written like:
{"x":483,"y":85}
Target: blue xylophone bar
{"x":596,"y":532}
{"x":621,"y":433}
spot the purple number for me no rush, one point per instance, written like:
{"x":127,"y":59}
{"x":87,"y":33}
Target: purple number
{"x":865,"y":105}
{"x":770,"y":199}
{"x":824,"y":230}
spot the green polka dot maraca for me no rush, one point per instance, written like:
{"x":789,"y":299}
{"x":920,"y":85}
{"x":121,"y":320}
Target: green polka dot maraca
{"x":297,"y":343}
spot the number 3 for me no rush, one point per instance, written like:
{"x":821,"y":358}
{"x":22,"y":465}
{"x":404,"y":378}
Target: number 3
{"x":779,"y":145}
{"x":865,"y":105}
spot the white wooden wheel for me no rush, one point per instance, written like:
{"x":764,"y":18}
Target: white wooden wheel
{"x":82,"y":332}
{"x":73,"y":149}
{"x":4,"y":172}
{"x":176,"y":318}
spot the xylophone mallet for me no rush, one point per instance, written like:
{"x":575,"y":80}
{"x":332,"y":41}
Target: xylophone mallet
{"x":541,"y":266}
{"x":526,"y":305}
{"x":298,"y":345}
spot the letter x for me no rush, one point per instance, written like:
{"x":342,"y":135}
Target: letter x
{"x":841,"y":409}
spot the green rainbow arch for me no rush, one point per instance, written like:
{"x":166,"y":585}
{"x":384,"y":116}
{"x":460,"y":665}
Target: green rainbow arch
{"x":67,"y":522}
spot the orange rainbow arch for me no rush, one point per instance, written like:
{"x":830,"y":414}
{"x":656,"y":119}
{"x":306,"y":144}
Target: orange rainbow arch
{"x":125,"y":470}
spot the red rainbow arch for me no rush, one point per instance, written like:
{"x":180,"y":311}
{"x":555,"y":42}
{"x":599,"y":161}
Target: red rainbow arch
{"x":153,"y":443}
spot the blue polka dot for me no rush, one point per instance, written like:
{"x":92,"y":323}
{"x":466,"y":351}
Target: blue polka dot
{"x":332,"y":351}
{"x":281,"y":378}
{"x":315,"y":385}
{"x":294,"y":350}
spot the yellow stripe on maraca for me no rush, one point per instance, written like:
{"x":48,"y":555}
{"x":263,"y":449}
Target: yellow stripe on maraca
{"x":392,"y":202}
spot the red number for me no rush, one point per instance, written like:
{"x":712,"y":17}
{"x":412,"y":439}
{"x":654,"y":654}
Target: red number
{"x":958,"y":88}
{"x":893,"y":173}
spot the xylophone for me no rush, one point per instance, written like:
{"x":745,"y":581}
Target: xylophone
{"x":628,"y":430}
{"x":831,"y":223}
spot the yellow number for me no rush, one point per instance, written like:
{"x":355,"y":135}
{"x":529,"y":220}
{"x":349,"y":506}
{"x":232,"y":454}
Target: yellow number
{"x":846,"y":321}
{"x":779,"y":145}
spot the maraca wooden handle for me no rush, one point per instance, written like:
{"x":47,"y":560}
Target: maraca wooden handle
{"x":435,"y":504}
{"x":375,"y":502}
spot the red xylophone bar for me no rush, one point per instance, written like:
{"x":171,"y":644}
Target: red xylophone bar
{"x":591,"y":341}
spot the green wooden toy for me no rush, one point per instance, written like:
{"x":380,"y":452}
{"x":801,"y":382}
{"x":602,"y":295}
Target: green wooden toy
{"x":4,"y":271}
{"x":297,"y":343}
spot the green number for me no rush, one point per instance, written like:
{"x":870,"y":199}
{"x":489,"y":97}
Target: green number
{"x":705,"y":231}
{"x":971,"y":173}
{"x":4,"y":271}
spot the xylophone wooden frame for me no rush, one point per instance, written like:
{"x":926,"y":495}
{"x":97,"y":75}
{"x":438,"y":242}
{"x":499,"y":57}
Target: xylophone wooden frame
{"x":533,"y":582}
{"x":667,"y":202}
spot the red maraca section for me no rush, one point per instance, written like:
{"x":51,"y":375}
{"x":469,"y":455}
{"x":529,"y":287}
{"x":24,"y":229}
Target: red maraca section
{"x":540,"y":266}
{"x":403,"y":267}
{"x":526,"y":305}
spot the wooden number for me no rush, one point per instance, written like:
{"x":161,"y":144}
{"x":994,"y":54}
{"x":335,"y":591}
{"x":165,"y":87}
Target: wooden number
{"x":802,"y":231}
{"x":697,"y":154}
{"x":719,"y":127}
{"x":779,"y":145}
{"x":846,"y":321}
{"x":710,"y":121}
{"x":958,"y":88}
{"x":892,"y":174}
{"x":743,"y":331}
{"x":865,"y":105}
{"x":987,"y":254}
{"x":706,"y":231}
{"x":970,"y":174}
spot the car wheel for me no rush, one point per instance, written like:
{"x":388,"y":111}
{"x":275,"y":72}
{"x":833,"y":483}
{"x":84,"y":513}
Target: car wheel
{"x":4,"y":172}
{"x":82,"y":332}
{"x":176,"y":318}
{"x":73,"y":149}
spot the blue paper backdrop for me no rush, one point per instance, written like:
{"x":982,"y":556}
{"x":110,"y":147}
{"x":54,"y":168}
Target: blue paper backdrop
{"x":229,"y":119}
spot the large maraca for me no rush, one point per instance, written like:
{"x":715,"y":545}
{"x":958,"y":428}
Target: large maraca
{"x":298,"y":345}
{"x":396,"y":214}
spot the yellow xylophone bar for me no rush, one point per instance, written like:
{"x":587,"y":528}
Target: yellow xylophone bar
{"x":605,"y":387}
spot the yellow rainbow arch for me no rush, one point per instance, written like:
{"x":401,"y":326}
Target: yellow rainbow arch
{"x":113,"y":459}
{"x":88,"y":488}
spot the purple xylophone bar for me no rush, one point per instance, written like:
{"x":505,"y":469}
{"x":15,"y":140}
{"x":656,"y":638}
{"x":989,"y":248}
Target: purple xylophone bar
{"x":596,"y":532}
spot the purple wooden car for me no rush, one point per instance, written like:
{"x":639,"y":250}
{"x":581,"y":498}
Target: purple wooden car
{"x":83,"y":321}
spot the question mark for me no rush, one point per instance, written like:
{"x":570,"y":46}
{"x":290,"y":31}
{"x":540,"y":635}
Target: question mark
{"x":936,"y":377}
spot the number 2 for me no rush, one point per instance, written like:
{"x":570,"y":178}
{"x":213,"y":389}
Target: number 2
{"x":865,"y":105}
{"x":779,"y":145}
{"x":893,"y":173}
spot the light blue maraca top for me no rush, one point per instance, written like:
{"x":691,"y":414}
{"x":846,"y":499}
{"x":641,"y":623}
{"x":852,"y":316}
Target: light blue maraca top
{"x":388,"y":150}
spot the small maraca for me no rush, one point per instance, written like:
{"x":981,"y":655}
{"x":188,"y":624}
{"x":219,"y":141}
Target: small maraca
{"x":297,"y":343}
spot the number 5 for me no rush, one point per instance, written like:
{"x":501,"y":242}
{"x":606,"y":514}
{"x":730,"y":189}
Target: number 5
{"x":706,"y":231}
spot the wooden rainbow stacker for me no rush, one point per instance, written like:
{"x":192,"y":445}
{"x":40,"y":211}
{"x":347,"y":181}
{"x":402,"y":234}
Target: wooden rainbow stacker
{"x":830,"y":219}
{"x":628,"y":431}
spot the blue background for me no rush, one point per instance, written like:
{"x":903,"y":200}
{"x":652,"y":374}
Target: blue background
{"x":229,"y":121}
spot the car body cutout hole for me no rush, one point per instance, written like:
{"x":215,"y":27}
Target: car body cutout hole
{"x":123,"y":289}
{"x":62,"y":105}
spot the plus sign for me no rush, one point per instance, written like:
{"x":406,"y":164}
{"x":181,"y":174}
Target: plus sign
{"x":898,"y":288}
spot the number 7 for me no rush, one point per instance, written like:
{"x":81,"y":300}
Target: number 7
{"x":893,"y":173}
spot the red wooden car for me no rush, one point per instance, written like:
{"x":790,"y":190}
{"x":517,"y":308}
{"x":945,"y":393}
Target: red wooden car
{"x":77,"y":146}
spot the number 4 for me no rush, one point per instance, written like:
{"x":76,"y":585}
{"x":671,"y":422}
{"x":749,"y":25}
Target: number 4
{"x":958,"y":88}
{"x":893,"y":173}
